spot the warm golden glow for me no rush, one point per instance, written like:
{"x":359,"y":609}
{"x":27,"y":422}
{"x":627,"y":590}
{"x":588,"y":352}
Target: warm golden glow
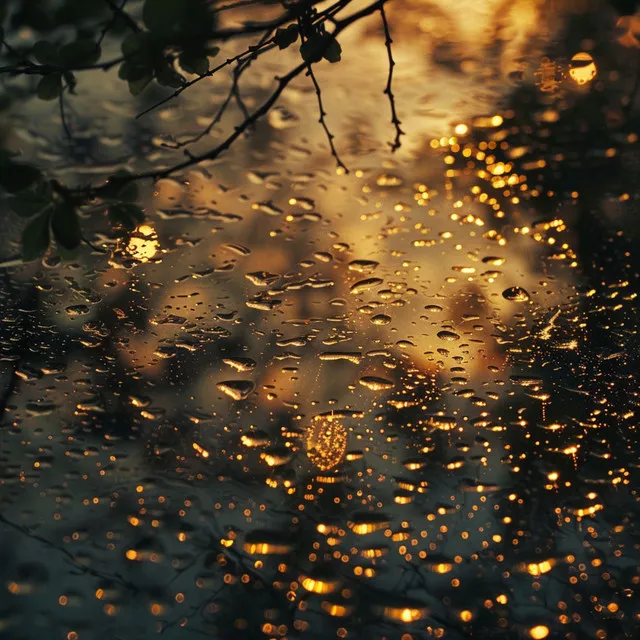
{"x":403,"y":614}
{"x":319,"y":586}
{"x":143,"y":243}
{"x":326,"y":442}
{"x":582,"y":68}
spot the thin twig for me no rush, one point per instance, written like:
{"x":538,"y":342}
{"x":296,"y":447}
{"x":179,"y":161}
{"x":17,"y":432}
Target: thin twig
{"x":83,"y":193}
{"x":33,"y":69}
{"x":388,"y":92}
{"x":70,"y":557}
{"x":238,"y":131}
{"x":214,"y":121}
{"x":235,"y":87}
{"x":234,"y":91}
{"x":184,"y":87}
{"x":322,"y":120}
{"x":118,"y":11}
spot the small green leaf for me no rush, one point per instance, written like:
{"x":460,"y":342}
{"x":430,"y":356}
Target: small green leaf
{"x":80,"y":53}
{"x":35,"y":237}
{"x":136,"y":87}
{"x":15,"y":177}
{"x":125,"y":215}
{"x":286,"y":37}
{"x":194,"y":63}
{"x":45,"y":52}
{"x":50,"y":86}
{"x":65,"y":226}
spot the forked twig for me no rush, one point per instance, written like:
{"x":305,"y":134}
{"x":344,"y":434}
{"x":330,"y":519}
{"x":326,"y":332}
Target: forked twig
{"x":388,"y":92}
{"x":251,"y":51}
{"x":322,"y":120}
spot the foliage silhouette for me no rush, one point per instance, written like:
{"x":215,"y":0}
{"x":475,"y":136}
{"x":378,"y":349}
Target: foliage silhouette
{"x":162,"y":42}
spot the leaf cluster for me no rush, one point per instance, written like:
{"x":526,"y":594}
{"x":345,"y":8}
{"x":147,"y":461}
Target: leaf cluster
{"x":176,"y":31}
{"x":52,"y":215}
{"x":62,"y":59}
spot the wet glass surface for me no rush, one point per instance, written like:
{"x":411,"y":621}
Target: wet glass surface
{"x":299,"y":402}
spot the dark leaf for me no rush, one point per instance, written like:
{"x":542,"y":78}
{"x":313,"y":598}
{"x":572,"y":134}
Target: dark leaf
{"x":179,"y":20}
{"x":5,"y":101}
{"x":320,"y":45}
{"x":35,"y":237}
{"x":45,"y":52}
{"x":31,"y":201}
{"x":15,"y":177}
{"x":65,"y":226}
{"x":123,"y":71}
{"x":137,"y":71}
{"x":333,"y":51}
{"x":136,"y":87}
{"x":115,"y":189}
{"x":125,"y":215}
{"x":311,"y":49}
{"x":139,"y":47}
{"x":50,"y":86}
{"x":167,"y":76}
{"x":68,"y":254}
{"x":286,"y":37}
{"x":194,"y":63}
{"x":80,"y":53}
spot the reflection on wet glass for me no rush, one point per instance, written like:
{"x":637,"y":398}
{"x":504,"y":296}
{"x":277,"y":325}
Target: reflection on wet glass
{"x":398,"y":402}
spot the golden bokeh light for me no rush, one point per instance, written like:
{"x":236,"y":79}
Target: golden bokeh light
{"x":326,"y":442}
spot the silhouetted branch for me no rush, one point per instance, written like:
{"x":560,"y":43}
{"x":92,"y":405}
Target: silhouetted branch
{"x":253,"y":50}
{"x":119,"y":12}
{"x":80,"y":195}
{"x":322,"y":119}
{"x":388,"y":92}
{"x":70,"y":557}
{"x":234,"y":91}
{"x":32,"y":69}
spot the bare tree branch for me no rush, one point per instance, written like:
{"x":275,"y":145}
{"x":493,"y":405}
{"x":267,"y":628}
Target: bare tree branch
{"x":63,"y":117}
{"x":253,"y":50}
{"x":69,"y":556}
{"x":32,"y":69}
{"x":322,"y":120}
{"x":388,"y":92}
{"x":82,"y":194}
